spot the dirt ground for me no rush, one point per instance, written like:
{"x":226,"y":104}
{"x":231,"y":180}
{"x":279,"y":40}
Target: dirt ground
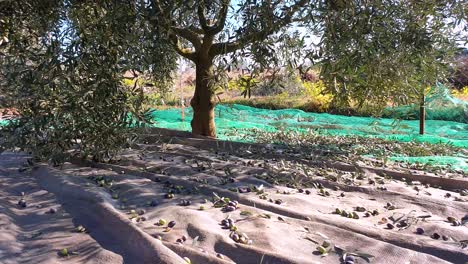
{"x":171,"y":203}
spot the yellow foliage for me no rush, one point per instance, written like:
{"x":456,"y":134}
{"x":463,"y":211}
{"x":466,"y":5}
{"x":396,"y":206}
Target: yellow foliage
{"x":131,"y":82}
{"x":316,"y":91}
{"x":462,"y":94}
{"x":282,"y":96}
{"x":242,"y":83}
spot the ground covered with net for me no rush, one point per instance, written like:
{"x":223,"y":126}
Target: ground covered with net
{"x":173,"y":199}
{"x":248,"y":124}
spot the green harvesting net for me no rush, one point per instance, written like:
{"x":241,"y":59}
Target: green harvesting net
{"x":439,"y":104}
{"x":241,"y":119}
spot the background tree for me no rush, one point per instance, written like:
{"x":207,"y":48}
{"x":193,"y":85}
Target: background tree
{"x":376,"y":52}
{"x":459,"y":71}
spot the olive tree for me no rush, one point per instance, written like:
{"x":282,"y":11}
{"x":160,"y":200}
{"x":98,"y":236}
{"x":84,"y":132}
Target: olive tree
{"x":381,"y":51}
{"x":61,"y":61}
{"x":201,"y":31}
{"x":368,"y":51}
{"x":61,"y":67}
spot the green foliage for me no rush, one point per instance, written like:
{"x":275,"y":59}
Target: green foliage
{"x":61,"y":62}
{"x":381,"y":50}
{"x":244,"y":84}
{"x":278,"y":83}
{"x":63,"y":74}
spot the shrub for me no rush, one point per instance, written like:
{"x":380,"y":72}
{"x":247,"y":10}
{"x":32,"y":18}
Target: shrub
{"x":318,"y":99}
{"x":268,"y":86}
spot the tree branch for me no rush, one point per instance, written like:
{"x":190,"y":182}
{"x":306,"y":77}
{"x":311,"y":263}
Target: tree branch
{"x":186,"y":53}
{"x":220,"y":19}
{"x":176,"y":32}
{"x":196,"y":30}
{"x":241,"y":42}
{"x":202,"y":18}
{"x":188,"y":35}
{"x":222,"y":16}
{"x":157,"y":5}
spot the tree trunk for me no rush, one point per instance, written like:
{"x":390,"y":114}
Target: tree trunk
{"x":203,"y":102}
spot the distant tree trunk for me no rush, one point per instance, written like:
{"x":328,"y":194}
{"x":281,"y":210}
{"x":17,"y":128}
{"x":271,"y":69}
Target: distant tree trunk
{"x":203,"y":102}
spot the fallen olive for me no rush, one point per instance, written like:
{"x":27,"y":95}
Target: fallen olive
{"x":322,"y":250}
{"x":355,"y":215}
{"x":185,"y":203}
{"x":402,"y":223}
{"x":229,"y":208}
{"x":63,"y":252}
{"x":171,"y":224}
{"x":141,"y":212}
{"x":22,"y":203}
{"x":360,"y":209}
{"x":326,"y":244}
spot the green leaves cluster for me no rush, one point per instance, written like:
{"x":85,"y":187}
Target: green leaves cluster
{"x":62,"y":71}
{"x":385,"y":50}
